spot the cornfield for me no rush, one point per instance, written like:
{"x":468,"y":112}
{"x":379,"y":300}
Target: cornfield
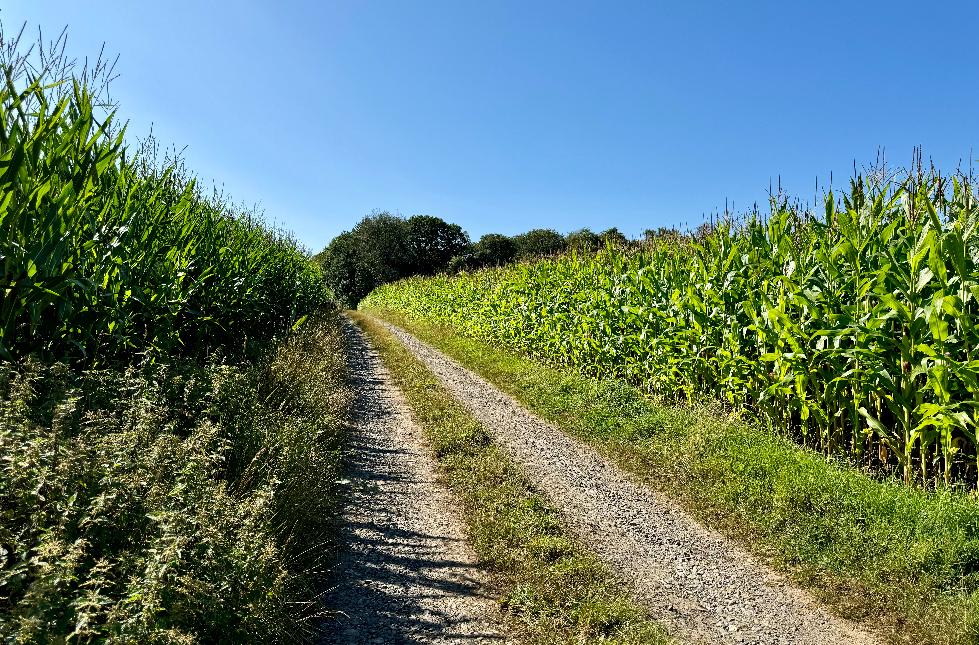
{"x":169,"y":432}
{"x":852,"y":331}
{"x":109,"y":255}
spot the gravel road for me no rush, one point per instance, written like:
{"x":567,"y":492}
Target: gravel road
{"x":406,"y":574}
{"x":691,"y":578}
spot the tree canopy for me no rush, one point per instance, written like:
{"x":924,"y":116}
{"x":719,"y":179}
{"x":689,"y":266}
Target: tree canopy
{"x":539,"y":242}
{"x":383,"y":247}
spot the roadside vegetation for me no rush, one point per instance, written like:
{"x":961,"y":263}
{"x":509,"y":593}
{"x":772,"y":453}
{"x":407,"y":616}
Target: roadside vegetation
{"x":172,"y":388}
{"x":551,"y":590}
{"x":900,"y":559}
{"x":853,"y":332}
{"x":805,"y":383}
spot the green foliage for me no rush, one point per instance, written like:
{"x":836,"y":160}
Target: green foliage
{"x":583,"y":240}
{"x":494,"y":249}
{"x":491,"y":250}
{"x":106,"y":255}
{"x":662,"y":234}
{"x":170,"y":401}
{"x":345,"y":269}
{"x":852,"y":333}
{"x":614,"y":237}
{"x":173,"y":503}
{"x":383,"y":247}
{"x":432,"y":243}
{"x":538,"y":243}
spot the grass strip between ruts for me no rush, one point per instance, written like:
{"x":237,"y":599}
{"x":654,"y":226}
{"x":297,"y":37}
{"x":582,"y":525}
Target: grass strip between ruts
{"x":901,"y":560}
{"x":550,"y":588}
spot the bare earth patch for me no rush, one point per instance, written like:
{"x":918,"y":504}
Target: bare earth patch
{"x":406,"y":573}
{"x":694,"y":580}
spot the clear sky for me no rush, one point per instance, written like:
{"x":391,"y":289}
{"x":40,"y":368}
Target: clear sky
{"x":504,"y":116}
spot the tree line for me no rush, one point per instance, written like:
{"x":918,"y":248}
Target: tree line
{"x":383,"y":247}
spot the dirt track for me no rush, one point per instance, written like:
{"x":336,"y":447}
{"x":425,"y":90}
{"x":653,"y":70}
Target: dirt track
{"x":694,"y":580}
{"x":406,"y":574}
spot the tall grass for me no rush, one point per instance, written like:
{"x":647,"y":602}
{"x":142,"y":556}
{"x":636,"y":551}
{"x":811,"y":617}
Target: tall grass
{"x":853,"y":331}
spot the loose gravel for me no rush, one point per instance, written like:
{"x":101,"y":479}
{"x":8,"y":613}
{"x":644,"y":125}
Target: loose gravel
{"x":691,"y":578}
{"x":406,"y":573}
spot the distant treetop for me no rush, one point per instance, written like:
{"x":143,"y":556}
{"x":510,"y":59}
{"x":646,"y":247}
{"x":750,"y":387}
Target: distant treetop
{"x":383,"y":247}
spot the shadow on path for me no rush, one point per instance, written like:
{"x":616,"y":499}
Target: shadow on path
{"x":404,"y":574}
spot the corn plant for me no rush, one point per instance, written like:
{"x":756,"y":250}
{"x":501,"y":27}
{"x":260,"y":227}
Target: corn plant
{"x":169,"y":454}
{"x":852,"y":331}
{"x":110,"y":256}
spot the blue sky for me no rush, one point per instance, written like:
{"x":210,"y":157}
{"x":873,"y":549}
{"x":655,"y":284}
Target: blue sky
{"x":505,"y":116}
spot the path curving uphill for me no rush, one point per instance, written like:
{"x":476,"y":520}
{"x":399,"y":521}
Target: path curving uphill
{"x":406,"y":573}
{"x":693,"y":579}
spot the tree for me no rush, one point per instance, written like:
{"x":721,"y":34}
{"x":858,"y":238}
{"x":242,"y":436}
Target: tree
{"x":613,"y":236}
{"x":583,"y":240}
{"x":383,"y":247}
{"x":539,"y":242}
{"x":492,"y":249}
{"x":344,"y":270}
{"x":373,"y":252}
{"x":432,"y":243}
{"x":663,"y":233}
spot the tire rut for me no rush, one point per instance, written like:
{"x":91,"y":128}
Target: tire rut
{"x":406,"y":573}
{"x":693,"y":579}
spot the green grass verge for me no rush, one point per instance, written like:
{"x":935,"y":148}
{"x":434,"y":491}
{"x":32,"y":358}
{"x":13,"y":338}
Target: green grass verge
{"x":903,"y":561}
{"x":551,"y":590}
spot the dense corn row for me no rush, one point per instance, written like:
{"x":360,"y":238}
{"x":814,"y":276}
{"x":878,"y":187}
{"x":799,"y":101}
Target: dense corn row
{"x":106,"y":255}
{"x":854,"y":332}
